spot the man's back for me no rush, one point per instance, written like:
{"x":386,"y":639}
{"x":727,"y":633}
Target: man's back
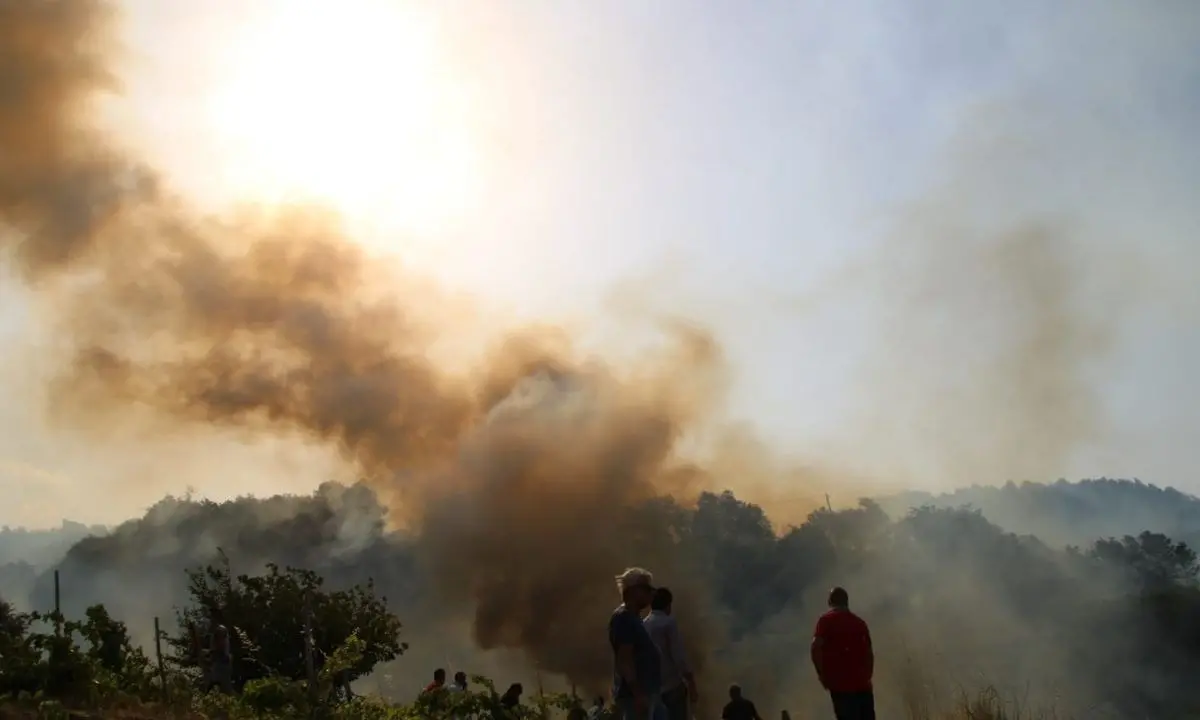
{"x":739,"y":709}
{"x":847,"y":659}
{"x":625,"y":628}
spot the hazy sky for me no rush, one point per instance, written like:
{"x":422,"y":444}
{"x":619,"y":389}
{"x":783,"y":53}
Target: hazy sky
{"x":791,"y":174}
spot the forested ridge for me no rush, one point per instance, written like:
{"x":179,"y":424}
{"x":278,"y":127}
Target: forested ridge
{"x":1063,"y":513}
{"x":957,"y":602}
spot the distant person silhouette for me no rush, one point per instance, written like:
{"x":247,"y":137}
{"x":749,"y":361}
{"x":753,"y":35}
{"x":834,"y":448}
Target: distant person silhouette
{"x":512,"y":696}
{"x":439,"y":681}
{"x":844,"y":659}
{"x":577,"y":712}
{"x":459,"y":686}
{"x":738,"y":707}
{"x":221,"y":660}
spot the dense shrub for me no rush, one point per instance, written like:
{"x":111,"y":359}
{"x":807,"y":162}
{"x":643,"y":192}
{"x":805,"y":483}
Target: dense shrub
{"x":48,"y":663}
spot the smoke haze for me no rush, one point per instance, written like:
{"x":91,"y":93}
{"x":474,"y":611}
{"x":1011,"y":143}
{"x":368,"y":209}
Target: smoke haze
{"x":529,"y":469}
{"x":280,"y":324}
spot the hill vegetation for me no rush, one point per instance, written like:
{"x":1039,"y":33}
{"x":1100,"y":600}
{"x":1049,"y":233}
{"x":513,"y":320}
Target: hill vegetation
{"x":1107,"y":627}
{"x":1070,"y":513}
{"x":42,"y":548}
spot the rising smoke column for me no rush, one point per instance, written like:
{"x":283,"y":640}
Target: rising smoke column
{"x":529,"y":472}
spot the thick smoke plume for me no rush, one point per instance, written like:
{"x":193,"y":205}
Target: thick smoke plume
{"x":522,"y":467}
{"x":532,"y":472}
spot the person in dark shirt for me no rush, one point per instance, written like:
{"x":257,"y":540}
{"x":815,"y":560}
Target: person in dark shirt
{"x":512,"y":696}
{"x":637,"y":671}
{"x":576,"y":711}
{"x":508,"y":704}
{"x":738,"y":707}
{"x":844,"y":659}
{"x":221,"y":660}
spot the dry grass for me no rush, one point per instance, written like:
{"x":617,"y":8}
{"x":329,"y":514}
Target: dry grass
{"x":918,"y":698}
{"x":989,"y":704}
{"x":985,"y":705}
{"x":922,"y":696}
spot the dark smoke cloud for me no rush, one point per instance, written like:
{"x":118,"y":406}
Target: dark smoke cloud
{"x":532,"y":472}
{"x":523,"y":468}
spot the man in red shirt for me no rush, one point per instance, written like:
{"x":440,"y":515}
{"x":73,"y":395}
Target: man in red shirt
{"x":844,"y":659}
{"x":439,"y":681}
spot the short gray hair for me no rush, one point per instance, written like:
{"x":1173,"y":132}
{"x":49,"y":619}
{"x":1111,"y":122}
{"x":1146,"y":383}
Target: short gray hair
{"x":633,"y":577}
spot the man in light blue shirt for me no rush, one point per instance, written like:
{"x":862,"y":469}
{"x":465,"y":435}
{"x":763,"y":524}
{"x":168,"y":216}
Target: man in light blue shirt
{"x":678,"y":682}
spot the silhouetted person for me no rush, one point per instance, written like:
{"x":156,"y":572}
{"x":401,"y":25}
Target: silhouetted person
{"x":111,"y":652}
{"x":439,"y":681}
{"x":512,"y":696}
{"x":844,"y":659}
{"x":195,"y":647}
{"x":637,"y":671}
{"x":577,"y":712}
{"x":220,"y":660}
{"x":678,"y":682}
{"x":459,"y":686}
{"x":738,"y":707}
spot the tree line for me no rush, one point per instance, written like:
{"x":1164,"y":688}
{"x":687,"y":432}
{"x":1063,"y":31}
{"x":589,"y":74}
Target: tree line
{"x":956,"y":601}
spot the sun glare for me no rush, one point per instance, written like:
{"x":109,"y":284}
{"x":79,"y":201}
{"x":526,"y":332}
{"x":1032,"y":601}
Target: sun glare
{"x":345,"y":103}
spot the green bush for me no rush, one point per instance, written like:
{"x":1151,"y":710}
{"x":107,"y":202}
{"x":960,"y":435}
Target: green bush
{"x":49,"y":665}
{"x":265,"y":615}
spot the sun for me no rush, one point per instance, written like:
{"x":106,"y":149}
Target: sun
{"x":347,"y":104}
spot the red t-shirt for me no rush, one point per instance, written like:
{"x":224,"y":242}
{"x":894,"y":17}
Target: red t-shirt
{"x":845,"y":651}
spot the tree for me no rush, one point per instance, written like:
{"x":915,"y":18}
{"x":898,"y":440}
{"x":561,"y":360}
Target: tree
{"x":112,"y":652}
{"x":734,"y":544}
{"x":265,"y":617}
{"x":32,"y":661}
{"x":1152,"y":560}
{"x":18,"y":656}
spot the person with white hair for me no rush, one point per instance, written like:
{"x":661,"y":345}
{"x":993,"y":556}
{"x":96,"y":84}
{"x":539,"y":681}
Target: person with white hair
{"x":637,"y":676}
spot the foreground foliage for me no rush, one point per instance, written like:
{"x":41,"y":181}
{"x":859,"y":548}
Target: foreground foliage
{"x":49,"y":664}
{"x":267,"y":614}
{"x":91,"y":666}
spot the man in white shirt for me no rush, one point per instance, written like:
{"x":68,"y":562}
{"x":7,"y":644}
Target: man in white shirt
{"x":678,"y":682}
{"x":458,"y":686}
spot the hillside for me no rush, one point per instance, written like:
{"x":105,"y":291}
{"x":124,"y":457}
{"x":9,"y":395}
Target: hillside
{"x":1060,"y":513}
{"x":950,"y":594}
{"x":42,"y":548}
{"x":1070,"y":513}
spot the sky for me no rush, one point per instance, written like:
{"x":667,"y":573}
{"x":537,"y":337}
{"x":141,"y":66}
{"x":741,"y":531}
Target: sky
{"x":830,"y":187}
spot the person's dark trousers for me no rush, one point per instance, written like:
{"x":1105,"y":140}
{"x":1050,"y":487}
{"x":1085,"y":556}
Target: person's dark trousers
{"x":853,"y":705}
{"x":676,"y":700}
